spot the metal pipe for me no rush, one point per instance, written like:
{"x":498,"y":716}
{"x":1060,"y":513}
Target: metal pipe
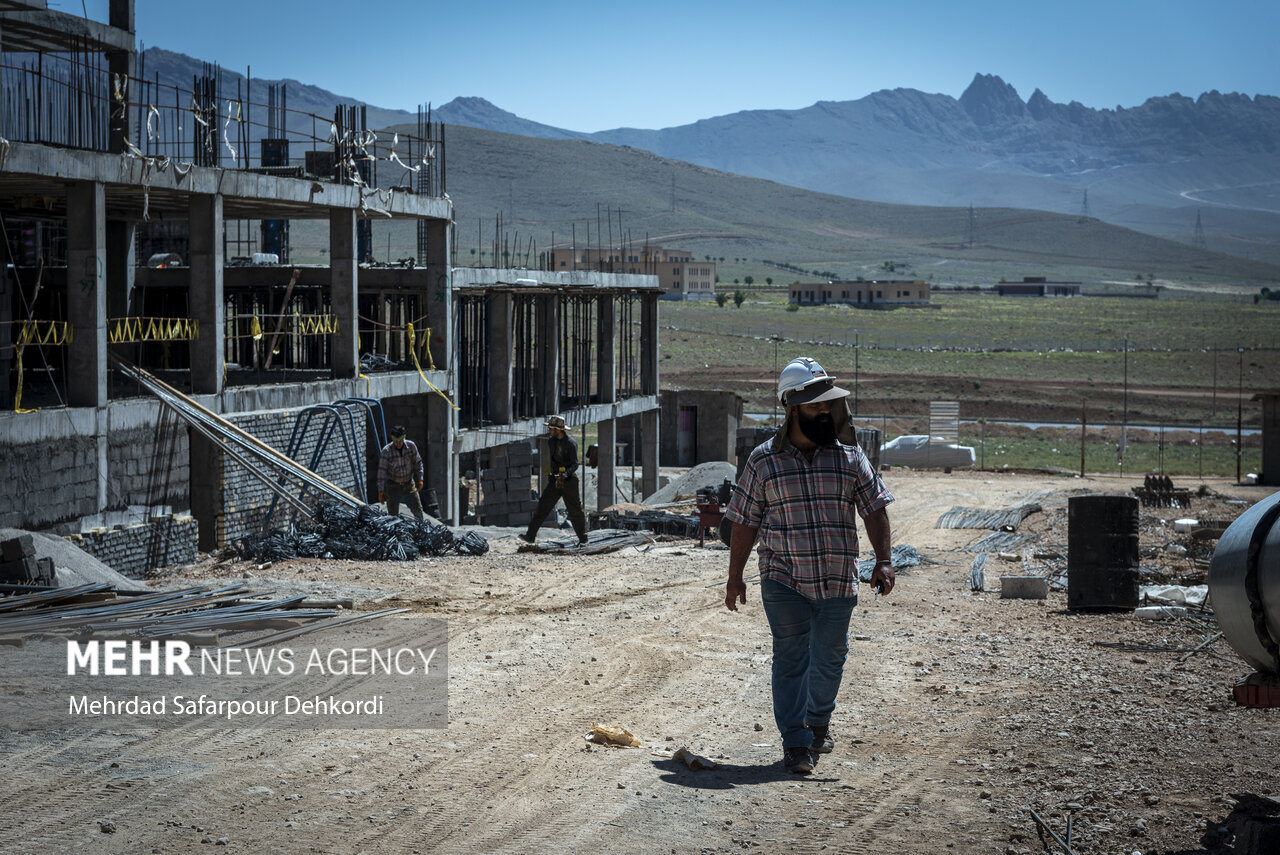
{"x":1244,"y":585}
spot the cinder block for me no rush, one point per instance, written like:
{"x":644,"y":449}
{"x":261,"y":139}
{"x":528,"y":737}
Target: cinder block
{"x":16,"y":548}
{"x":1024,"y":587}
{"x":20,"y":571}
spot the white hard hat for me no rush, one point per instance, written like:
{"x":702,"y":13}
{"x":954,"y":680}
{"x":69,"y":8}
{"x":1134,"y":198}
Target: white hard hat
{"x":804,"y":381}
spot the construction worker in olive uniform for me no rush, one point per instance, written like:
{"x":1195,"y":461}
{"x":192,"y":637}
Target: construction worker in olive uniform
{"x":563,"y":483}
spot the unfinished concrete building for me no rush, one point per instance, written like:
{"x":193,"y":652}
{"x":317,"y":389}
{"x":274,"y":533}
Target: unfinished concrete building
{"x":124,"y":205}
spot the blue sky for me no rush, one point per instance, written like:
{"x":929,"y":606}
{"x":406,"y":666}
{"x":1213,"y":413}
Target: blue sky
{"x":589,"y":66}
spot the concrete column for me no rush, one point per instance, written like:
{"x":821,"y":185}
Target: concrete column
{"x":7,"y":331}
{"x":121,"y":266}
{"x":343,"y":286}
{"x":440,"y":299}
{"x":649,"y":452}
{"x":123,"y":63}
{"x":120,"y":14}
{"x":207,"y":463}
{"x":607,"y":383}
{"x":649,"y":344}
{"x":548,"y":325}
{"x":607,"y":463}
{"x":501,"y":351}
{"x":442,"y":418}
{"x":606,"y":347}
{"x":205,"y":294}
{"x":87,"y":294}
{"x":121,"y":128}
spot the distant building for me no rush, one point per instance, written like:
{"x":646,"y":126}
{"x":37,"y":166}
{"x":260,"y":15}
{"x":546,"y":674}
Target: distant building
{"x":881,"y":293}
{"x":1038,"y":286}
{"x":679,"y":275}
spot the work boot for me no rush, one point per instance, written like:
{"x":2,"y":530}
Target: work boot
{"x":799,"y":760}
{"x":582,"y":541}
{"x":527,"y":538}
{"x":822,"y":741}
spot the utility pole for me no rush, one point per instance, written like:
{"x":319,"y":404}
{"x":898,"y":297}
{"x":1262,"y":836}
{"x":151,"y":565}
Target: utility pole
{"x":855,"y":373}
{"x":775,"y":374}
{"x":1124,"y":426}
{"x":1239,"y":412}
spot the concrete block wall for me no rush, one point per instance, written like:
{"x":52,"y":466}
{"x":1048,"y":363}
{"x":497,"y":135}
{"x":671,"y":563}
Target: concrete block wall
{"x":141,"y":476}
{"x":136,"y":550}
{"x":246,"y":500}
{"x":48,"y":482}
{"x":53,"y":480}
{"x":505,"y":486}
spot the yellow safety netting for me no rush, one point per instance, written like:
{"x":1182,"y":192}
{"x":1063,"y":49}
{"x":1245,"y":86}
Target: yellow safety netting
{"x":39,"y":333}
{"x":426,"y":345}
{"x":136,"y":330}
{"x":315,"y":325}
{"x":44,"y":332}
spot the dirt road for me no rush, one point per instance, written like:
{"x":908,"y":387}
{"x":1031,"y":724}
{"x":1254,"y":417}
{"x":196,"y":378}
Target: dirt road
{"x":959,"y":713}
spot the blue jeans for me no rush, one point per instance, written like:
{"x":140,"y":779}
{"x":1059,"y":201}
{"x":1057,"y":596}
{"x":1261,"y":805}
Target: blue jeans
{"x":810,"y":643}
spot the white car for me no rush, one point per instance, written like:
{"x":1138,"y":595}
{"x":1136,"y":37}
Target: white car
{"x":922,"y":452}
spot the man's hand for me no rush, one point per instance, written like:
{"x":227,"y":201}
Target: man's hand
{"x":882,"y":577}
{"x":419,"y":485}
{"x":382,"y":497}
{"x":735,"y":591}
{"x":560,"y":481}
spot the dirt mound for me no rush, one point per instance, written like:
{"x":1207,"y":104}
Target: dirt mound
{"x":74,"y":565}
{"x":711,"y":474}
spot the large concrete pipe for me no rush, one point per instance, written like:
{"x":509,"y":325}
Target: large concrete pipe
{"x":1244,"y":585}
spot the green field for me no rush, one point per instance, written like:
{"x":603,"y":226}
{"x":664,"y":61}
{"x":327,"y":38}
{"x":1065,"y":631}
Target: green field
{"x":1057,"y":449}
{"x":1017,"y":359}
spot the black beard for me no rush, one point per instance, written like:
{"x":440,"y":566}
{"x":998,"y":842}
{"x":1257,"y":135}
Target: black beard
{"x":820,"y":430}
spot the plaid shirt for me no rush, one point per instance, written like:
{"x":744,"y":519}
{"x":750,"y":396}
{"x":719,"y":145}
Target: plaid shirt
{"x":803,"y":509}
{"x":399,"y":464}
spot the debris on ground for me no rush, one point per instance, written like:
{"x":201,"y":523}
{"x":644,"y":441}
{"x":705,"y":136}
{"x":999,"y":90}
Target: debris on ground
{"x":1004,"y":519}
{"x":1174,"y":595}
{"x":599,"y":541}
{"x":612,"y":734}
{"x":902,"y":556}
{"x":977,"y":571}
{"x":694,"y":761}
{"x":364,"y":533}
{"x":653,"y":520}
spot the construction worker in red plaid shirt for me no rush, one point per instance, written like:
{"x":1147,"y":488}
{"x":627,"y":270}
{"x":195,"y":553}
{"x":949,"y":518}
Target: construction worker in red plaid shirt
{"x":800,"y":495}
{"x":400,"y":473}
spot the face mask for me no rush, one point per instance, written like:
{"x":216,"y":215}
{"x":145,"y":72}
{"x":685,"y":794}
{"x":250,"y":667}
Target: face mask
{"x":820,"y":430}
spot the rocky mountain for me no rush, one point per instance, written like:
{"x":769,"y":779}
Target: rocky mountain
{"x":1162,"y":167}
{"x":1153,"y":167}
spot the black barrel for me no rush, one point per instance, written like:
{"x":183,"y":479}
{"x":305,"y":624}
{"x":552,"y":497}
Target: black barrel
{"x":1102,"y":553}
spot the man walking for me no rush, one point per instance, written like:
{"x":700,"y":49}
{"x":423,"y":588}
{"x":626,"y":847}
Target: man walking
{"x":563,"y":483}
{"x":798,"y":494}
{"x":400,"y":474}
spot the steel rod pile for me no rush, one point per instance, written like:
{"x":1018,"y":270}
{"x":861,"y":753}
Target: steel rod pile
{"x":269,"y":466}
{"x":62,"y":611}
{"x":1004,"y":518}
{"x":361,"y":533}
